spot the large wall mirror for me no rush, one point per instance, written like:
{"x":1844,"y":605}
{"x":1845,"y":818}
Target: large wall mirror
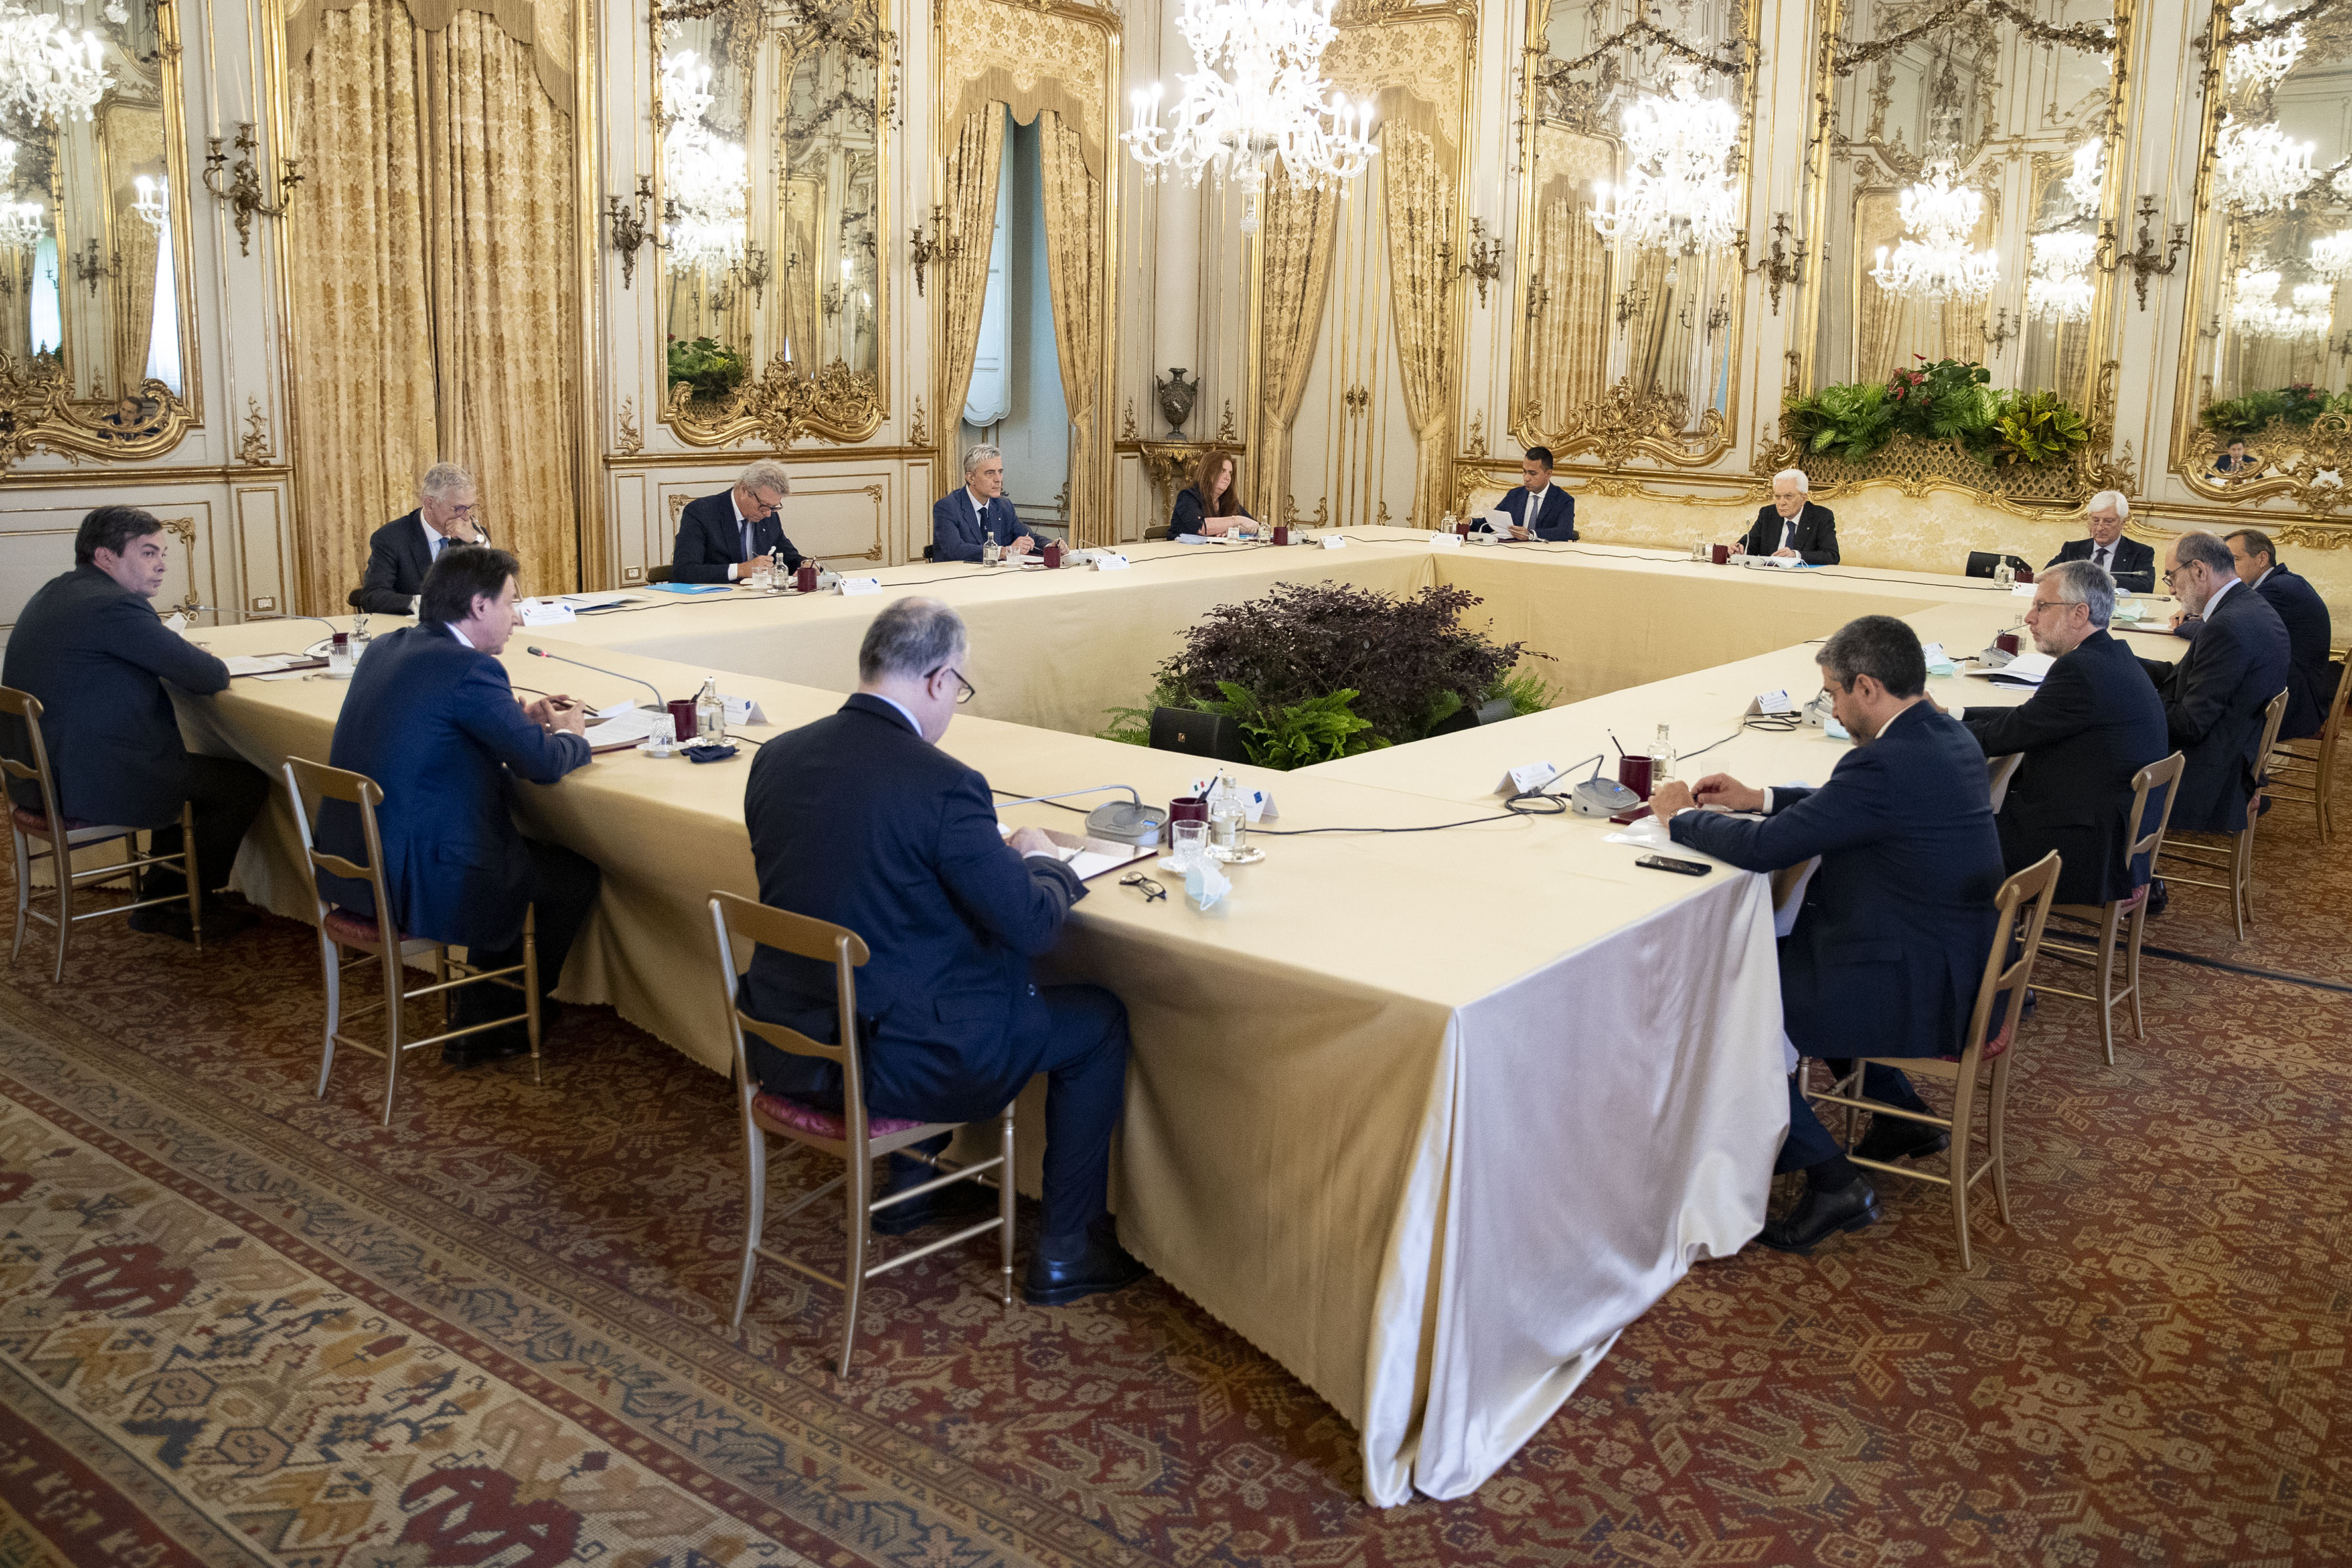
{"x":2266,"y":341}
{"x":1637,"y":143}
{"x":1960,"y":181}
{"x":773,"y":193}
{"x":97,"y":345}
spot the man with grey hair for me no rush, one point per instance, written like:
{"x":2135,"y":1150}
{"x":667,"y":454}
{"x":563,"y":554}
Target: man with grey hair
{"x":1792,"y":527}
{"x":719,"y":536}
{"x":860,"y":819}
{"x":2093,"y":723}
{"x":2214,"y":698}
{"x":966,"y":517}
{"x":2131,"y":561}
{"x":402,"y":550}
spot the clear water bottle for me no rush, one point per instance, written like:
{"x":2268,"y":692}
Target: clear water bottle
{"x":359,"y":636}
{"x":1698,"y":547}
{"x":991,"y":551}
{"x":2005,"y":573}
{"x":1228,"y":818}
{"x":709,"y":711}
{"x":1661,"y":759}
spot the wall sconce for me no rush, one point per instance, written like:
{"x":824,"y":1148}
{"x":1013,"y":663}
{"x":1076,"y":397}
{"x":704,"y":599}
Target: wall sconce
{"x":1485,"y":263}
{"x":88,"y":268}
{"x":629,"y":227}
{"x":940,"y":246}
{"x":243,"y":189}
{"x":1781,"y":266}
{"x":2001,"y":332}
{"x":2142,"y":258}
{"x":752,"y":272}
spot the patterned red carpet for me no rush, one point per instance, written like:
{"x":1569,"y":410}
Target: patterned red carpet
{"x":239,"y":1324}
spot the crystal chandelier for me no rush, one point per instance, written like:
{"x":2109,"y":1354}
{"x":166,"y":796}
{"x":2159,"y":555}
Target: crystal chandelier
{"x":1677,"y":196}
{"x":2255,"y":310}
{"x":2058,"y":283}
{"x":2331,"y":255}
{"x":2082,"y":186}
{"x":2263,"y":64}
{"x":2257,"y":168}
{"x":1259,"y":97}
{"x":1938,"y":265}
{"x":20,"y":225}
{"x":155,"y":202}
{"x":47,"y":74}
{"x":7,"y":164}
{"x":706,"y":180}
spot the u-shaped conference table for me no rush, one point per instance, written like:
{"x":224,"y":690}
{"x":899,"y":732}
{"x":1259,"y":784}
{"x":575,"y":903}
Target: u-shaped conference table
{"x":1427,"y":1112}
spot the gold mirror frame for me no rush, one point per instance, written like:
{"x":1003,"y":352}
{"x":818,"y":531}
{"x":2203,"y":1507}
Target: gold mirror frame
{"x":1625,"y":421}
{"x":781,"y":403}
{"x":38,"y":411}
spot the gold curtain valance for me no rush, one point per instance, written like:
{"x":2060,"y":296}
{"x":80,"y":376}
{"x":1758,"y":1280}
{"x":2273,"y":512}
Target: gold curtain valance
{"x":1025,"y":99}
{"x":519,"y":19}
{"x":1030,"y":61}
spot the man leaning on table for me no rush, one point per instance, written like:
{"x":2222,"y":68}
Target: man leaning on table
{"x":718,"y":536}
{"x":431,"y":719}
{"x":861,"y":820}
{"x":402,"y":550}
{"x":977,"y":510}
{"x":2310,"y":631}
{"x":1793,"y":526}
{"x":2215,"y":695}
{"x":1890,"y":941}
{"x":2129,"y":560}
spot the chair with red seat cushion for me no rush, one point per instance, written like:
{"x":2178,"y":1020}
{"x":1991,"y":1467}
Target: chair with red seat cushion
{"x":2023,"y":907}
{"x":49,"y":826}
{"x":2123,"y":921}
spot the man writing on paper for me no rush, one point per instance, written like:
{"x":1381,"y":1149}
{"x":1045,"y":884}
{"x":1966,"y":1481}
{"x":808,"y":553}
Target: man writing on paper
{"x":860,"y":819}
{"x":1891,"y":938}
{"x":719,"y":536}
{"x":431,"y":718}
{"x":2215,"y":696}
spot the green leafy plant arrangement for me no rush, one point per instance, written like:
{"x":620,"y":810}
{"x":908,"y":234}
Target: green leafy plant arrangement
{"x":1943,"y":399}
{"x":1848,"y":419}
{"x":2036,"y":427}
{"x":707,"y":365}
{"x":2247,"y":413}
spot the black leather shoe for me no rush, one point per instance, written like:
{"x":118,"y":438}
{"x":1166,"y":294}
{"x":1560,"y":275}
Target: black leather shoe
{"x":2157,"y":898}
{"x":489,"y":1046}
{"x":163,"y":920}
{"x":1107,"y":1266}
{"x":963,"y":1203}
{"x":1820,"y":1215}
{"x":1891,"y":1138}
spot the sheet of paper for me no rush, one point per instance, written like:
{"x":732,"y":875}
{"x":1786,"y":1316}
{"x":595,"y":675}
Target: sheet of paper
{"x":261,"y":663}
{"x":1646,"y":832}
{"x":628,"y":728}
{"x":594,"y":601}
{"x":284,"y":675}
{"x":2025,"y":669}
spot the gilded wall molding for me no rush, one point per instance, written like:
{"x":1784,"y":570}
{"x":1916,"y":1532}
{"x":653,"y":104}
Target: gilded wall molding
{"x":780,"y":405}
{"x":38,"y":412}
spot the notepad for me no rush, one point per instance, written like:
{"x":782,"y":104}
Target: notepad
{"x":687,"y":587}
{"x":268,"y":663}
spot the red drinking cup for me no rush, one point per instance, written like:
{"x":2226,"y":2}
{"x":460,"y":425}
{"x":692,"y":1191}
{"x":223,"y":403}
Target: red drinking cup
{"x":681,"y":718}
{"x":2006,"y":642}
{"x":1634,"y":773}
{"x":1186,"y":808}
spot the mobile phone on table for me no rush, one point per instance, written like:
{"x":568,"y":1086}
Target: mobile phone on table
{"x":1662,"y":863}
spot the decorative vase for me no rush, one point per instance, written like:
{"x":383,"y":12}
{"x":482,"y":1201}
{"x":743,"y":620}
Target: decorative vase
{"x":1176,"y":398}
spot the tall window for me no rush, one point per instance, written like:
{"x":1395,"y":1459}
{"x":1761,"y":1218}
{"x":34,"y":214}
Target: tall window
{"x":48,"y":319}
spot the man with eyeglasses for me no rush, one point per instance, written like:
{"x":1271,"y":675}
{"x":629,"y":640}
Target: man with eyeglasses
{"x":402,"y":553}
{"x":2129,"y":562}
{"x":861,"y":820}
{"x":2310,"y":633}
{"x":2091,"y":724}
{"x":718,"y":537}
{"x":2214,"y":698}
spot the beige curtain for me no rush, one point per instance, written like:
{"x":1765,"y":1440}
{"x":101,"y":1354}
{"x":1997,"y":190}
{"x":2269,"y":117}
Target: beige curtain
{"x":1414,"y":168}
{"x":16,"y":307}
{"x":133,"y":305}
{"x":1078,"y":265}
{"x":1298,"y":233}
{"x":363,"y":342}
{"x":959,"y":284}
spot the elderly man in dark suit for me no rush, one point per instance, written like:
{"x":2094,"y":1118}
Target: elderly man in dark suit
{"x":2129,"y":560}
{"x":89,"y":646}
{"x":2091,"y":725}
{"x":2214,"y":696}
{"x":719,"y":536}
{"x":1537,"y":508}
{"x":1890,"y":941}
{"x":2310,"y":631}
{"x":402,"y":550}
{"x":1793,"y":526}
{"x":431,"y":719}
{"x":862,"y":820}
{"x":965,"y":518}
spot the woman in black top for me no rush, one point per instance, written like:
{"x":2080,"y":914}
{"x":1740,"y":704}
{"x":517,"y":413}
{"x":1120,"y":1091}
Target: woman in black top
{"x":1213,"y":502}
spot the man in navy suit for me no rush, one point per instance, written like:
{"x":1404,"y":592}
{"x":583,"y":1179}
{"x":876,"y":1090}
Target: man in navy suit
{"x":1553,"y":509}
{"x":402,"y":550}
{"x":718,"y":536}
{"x":963,"y":518}
{"x":1793,"y":526}
{"x":1890,"y":941}
{"x":2310,"y":631}
{"x":2215,"y":695}
{"x":89,"y":646}
{"x":860,"y":819}
{"x":431,"y":718}
{"x":2091,"y":724}
{"x":2129,"y":560}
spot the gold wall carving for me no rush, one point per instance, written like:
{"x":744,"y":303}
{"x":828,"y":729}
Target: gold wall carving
{"x":255,"y":448}
{"x":38,"y":412}
{"x":632,"y":441}
{"x":780,"y":405}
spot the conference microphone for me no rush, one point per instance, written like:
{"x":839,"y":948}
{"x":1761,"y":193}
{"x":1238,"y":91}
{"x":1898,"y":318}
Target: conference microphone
{"x":649,"y":686}
{"x":1091,"y":789}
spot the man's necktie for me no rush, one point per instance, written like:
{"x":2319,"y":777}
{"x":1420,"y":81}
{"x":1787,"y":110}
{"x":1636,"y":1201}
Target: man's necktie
{"x":2100,"y":555}
{"x":746,"y":539}
{"x":440,"y":542}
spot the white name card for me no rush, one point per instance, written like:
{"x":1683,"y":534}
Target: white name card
{"x":1333,"y":542}
{"x":546,"y":613}
{"x":1934,"y":653}
{"x":1533,"y":777}
{"x":2020,"y":590}
{"x":1260,"y":803}
{"x":1773,"y":702}
{"x":853,"y":586}
{"x":742,"y":711}
{"x":1445,"y":541}
{"x":1111,"y":561}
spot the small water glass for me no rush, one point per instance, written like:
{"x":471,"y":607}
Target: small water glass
{"x":1187,"y":842}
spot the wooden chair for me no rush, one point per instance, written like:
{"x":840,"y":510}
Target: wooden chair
{"x":2233,"y":855}
{"x":2302,"y":773}
{"x":1998,"y":771}
{"x":2124,"y":920}
{"x":340,"y":928}
{"x":2023,"y":903}
{"x":849,"y":1136}
{"x":63,"y":835}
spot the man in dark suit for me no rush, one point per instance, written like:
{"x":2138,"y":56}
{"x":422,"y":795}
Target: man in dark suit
{"x":89,"y":646}
{"x":1537,"y":508}
{"x":1890,"y":941}
{"x":2214,"y":698}
{"x":718,"y":536}
{"x":2089,"y":727}
{"x":1793,"y":526}
{"x":2129,"y":560}
{"x":402,"y":550}
{"x":862,"y":820}
{"x":2310,"y":631}
{"x":431,"y":718}
{"x":965,"y":516}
